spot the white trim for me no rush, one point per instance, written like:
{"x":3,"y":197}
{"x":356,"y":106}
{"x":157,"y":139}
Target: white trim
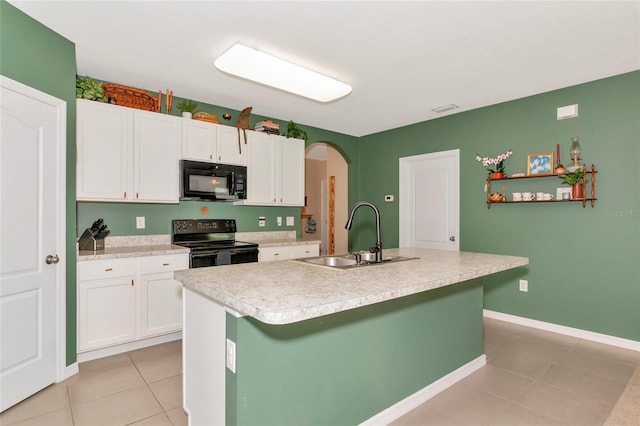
{"x":71,"y":370}
{"x":568,"y":331}
{"x":413,"y":401}
{"x":126,"y":347}
{"x":61,"y":238}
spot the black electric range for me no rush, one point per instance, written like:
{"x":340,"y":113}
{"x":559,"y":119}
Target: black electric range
{"x":212,"y":242}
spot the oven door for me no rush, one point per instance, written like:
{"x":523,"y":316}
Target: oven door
{"x":218,"y":257}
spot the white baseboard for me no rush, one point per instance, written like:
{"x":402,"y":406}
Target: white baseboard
{"x":126,"y":347}
{"x":413,"y":401}
{"x":568,"y":331}
{"x":70,"y":370}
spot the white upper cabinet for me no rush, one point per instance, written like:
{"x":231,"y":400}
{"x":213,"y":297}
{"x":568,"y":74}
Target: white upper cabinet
{"x":156,"y":152}
{"x":125,"y":154}
{"x":275,"y":171}
{"x":104,"y":150}
{"x":198,"y":141}
{"x":214,"y":143}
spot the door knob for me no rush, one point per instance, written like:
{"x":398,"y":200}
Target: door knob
{"x":52,"y":259}
{"x":452,"y":238}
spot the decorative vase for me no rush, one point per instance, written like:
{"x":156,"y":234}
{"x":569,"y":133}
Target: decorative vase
{"x":577,"y":191}
{"x":498,"y":175}
{"x":187,"y":114}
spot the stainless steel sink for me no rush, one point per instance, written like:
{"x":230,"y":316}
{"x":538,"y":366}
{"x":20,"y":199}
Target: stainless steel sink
{"x":347,"y":261}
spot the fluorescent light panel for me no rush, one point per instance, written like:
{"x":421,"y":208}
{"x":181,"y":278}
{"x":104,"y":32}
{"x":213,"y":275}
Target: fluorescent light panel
{"x":252,"y":64}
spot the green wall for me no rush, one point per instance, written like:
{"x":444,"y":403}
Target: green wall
{"x":38,"y":57}
{"x":344,"y":368}
{"x":584,"y":267}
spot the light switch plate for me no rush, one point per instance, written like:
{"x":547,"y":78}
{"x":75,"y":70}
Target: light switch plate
{"x":140,"y":222}
{"x":231,"y":355}
{"x":569,"y":111}
{"x":279,"y":220}
{"x":290,"y":221}
{"x":262,"y":221}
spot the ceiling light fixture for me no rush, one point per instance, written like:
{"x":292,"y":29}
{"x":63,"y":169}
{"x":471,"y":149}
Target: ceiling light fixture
{"x":252,"y":64}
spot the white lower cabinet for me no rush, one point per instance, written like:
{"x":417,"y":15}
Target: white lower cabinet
{"x":297,"y":251}
{"x":123,"y":300}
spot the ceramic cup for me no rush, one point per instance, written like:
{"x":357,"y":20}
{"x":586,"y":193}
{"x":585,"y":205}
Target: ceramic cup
{"x":565,"y":195}
{"x":540,"y":196}
{"x":517,"y":196}
{"x":528,"y":196}
{"x":546,"y":196}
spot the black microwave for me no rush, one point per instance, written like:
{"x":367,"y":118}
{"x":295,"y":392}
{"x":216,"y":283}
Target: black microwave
{"x":212,"y":182}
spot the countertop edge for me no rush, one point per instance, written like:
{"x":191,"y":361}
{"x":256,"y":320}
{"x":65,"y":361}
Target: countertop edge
{"x":322,"y":309}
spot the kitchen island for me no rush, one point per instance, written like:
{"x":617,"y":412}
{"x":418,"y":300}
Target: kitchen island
{"x":309,"y":344}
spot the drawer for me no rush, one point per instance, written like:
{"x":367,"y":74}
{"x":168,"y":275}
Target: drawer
{"x":268,"y":254}
{"x":304,"y":250}
{"x":103,"y":269}
{"x":164,"y":263}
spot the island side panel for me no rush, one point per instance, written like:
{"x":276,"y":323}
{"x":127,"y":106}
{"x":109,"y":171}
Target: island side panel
{"x":203,"y":359}
{"x":344,"y":368}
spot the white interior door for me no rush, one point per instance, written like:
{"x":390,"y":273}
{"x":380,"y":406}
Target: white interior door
{"x":429,"y":200}
{"x":32,"y":198}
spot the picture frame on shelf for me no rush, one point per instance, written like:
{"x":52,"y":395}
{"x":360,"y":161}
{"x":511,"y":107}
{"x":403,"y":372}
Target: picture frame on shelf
{"x":540,"y":164}
{"x":561,"y":191}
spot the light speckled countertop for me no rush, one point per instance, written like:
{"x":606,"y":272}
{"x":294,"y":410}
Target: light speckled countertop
{"x":289,"y":291}
{"x":121,"y":247}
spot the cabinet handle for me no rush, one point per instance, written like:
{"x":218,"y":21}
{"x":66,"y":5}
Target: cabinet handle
{"x":137,"y":195}
{"x":307,"y":251}
{"x":210,"y":156}
{"x":165,"y":264}
{"x":276,"y":254}
{"x":219,"y":157}
{"x":131,"y":283}
{"x":125,"y":194}
{"x":108,"y":269}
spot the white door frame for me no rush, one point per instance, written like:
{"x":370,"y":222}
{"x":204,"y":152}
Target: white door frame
{"x":406,"y":191}
{"x":61,"y":161}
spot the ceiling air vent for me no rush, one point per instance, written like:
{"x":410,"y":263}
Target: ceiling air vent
{"x":445,"y":108}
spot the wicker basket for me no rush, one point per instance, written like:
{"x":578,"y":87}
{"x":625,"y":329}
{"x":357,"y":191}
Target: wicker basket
{"x":130,"y":97}
{"x":205,"y":116}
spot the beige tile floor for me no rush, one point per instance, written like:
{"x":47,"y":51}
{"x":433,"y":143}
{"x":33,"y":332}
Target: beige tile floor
{"x":532,"y":377}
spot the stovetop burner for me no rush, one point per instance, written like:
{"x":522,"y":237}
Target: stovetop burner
{"x":203,"y":234}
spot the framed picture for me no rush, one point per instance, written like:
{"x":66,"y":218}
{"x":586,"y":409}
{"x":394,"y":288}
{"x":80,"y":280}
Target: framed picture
{"x":540,"y":164}
{"x":563,"y":193}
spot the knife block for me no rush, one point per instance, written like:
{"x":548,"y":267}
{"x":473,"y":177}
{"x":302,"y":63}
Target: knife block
{"x":88,"y":242}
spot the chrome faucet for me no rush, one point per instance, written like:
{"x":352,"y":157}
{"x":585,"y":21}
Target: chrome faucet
{"x":377,"y":249}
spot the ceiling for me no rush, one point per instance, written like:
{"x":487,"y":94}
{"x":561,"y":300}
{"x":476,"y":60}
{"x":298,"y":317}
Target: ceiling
{"x":403,"y":59}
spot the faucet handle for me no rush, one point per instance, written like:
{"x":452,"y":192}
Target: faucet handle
{"x":358,"y":258}
{"x":375,"y":249}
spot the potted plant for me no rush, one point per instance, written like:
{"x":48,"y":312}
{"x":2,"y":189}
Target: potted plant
{"x":88,"y":88}
{"x":187,"y":108}
{"x":577,"y":181}
{"x":293,"y":131}
{"x":497,"y":172}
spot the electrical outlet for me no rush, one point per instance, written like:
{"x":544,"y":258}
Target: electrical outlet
{"x":524,"y":285}
{"x":140,"y":222}
{"x":290,"y":221}
{"x":279,"y":220}
{"x":388,"y":198}
{"x":231,"y":355}
{"x":262,"y":221}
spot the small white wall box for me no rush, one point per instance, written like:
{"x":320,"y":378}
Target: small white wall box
{"x":569,"y":111}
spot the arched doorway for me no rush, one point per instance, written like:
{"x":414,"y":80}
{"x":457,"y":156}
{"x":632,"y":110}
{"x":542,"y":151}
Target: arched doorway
{"x":326,"y":198}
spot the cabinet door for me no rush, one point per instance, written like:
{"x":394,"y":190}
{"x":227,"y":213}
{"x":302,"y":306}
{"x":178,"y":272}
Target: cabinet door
{"x":269,"y":254}
{"x":157,"y":140}
{"x":291,"y":172}
{"x":198,"y":140}
{"x":104,"y":153}
{"x":229,"y":150}
{"x":305,"y":250}
{"x":106,"y":312}
{"x":160,"y":304}
{"x":261,"y":175}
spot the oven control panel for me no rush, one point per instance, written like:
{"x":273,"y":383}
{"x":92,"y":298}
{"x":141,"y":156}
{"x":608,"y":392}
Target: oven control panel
{"x":203,"y":226}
